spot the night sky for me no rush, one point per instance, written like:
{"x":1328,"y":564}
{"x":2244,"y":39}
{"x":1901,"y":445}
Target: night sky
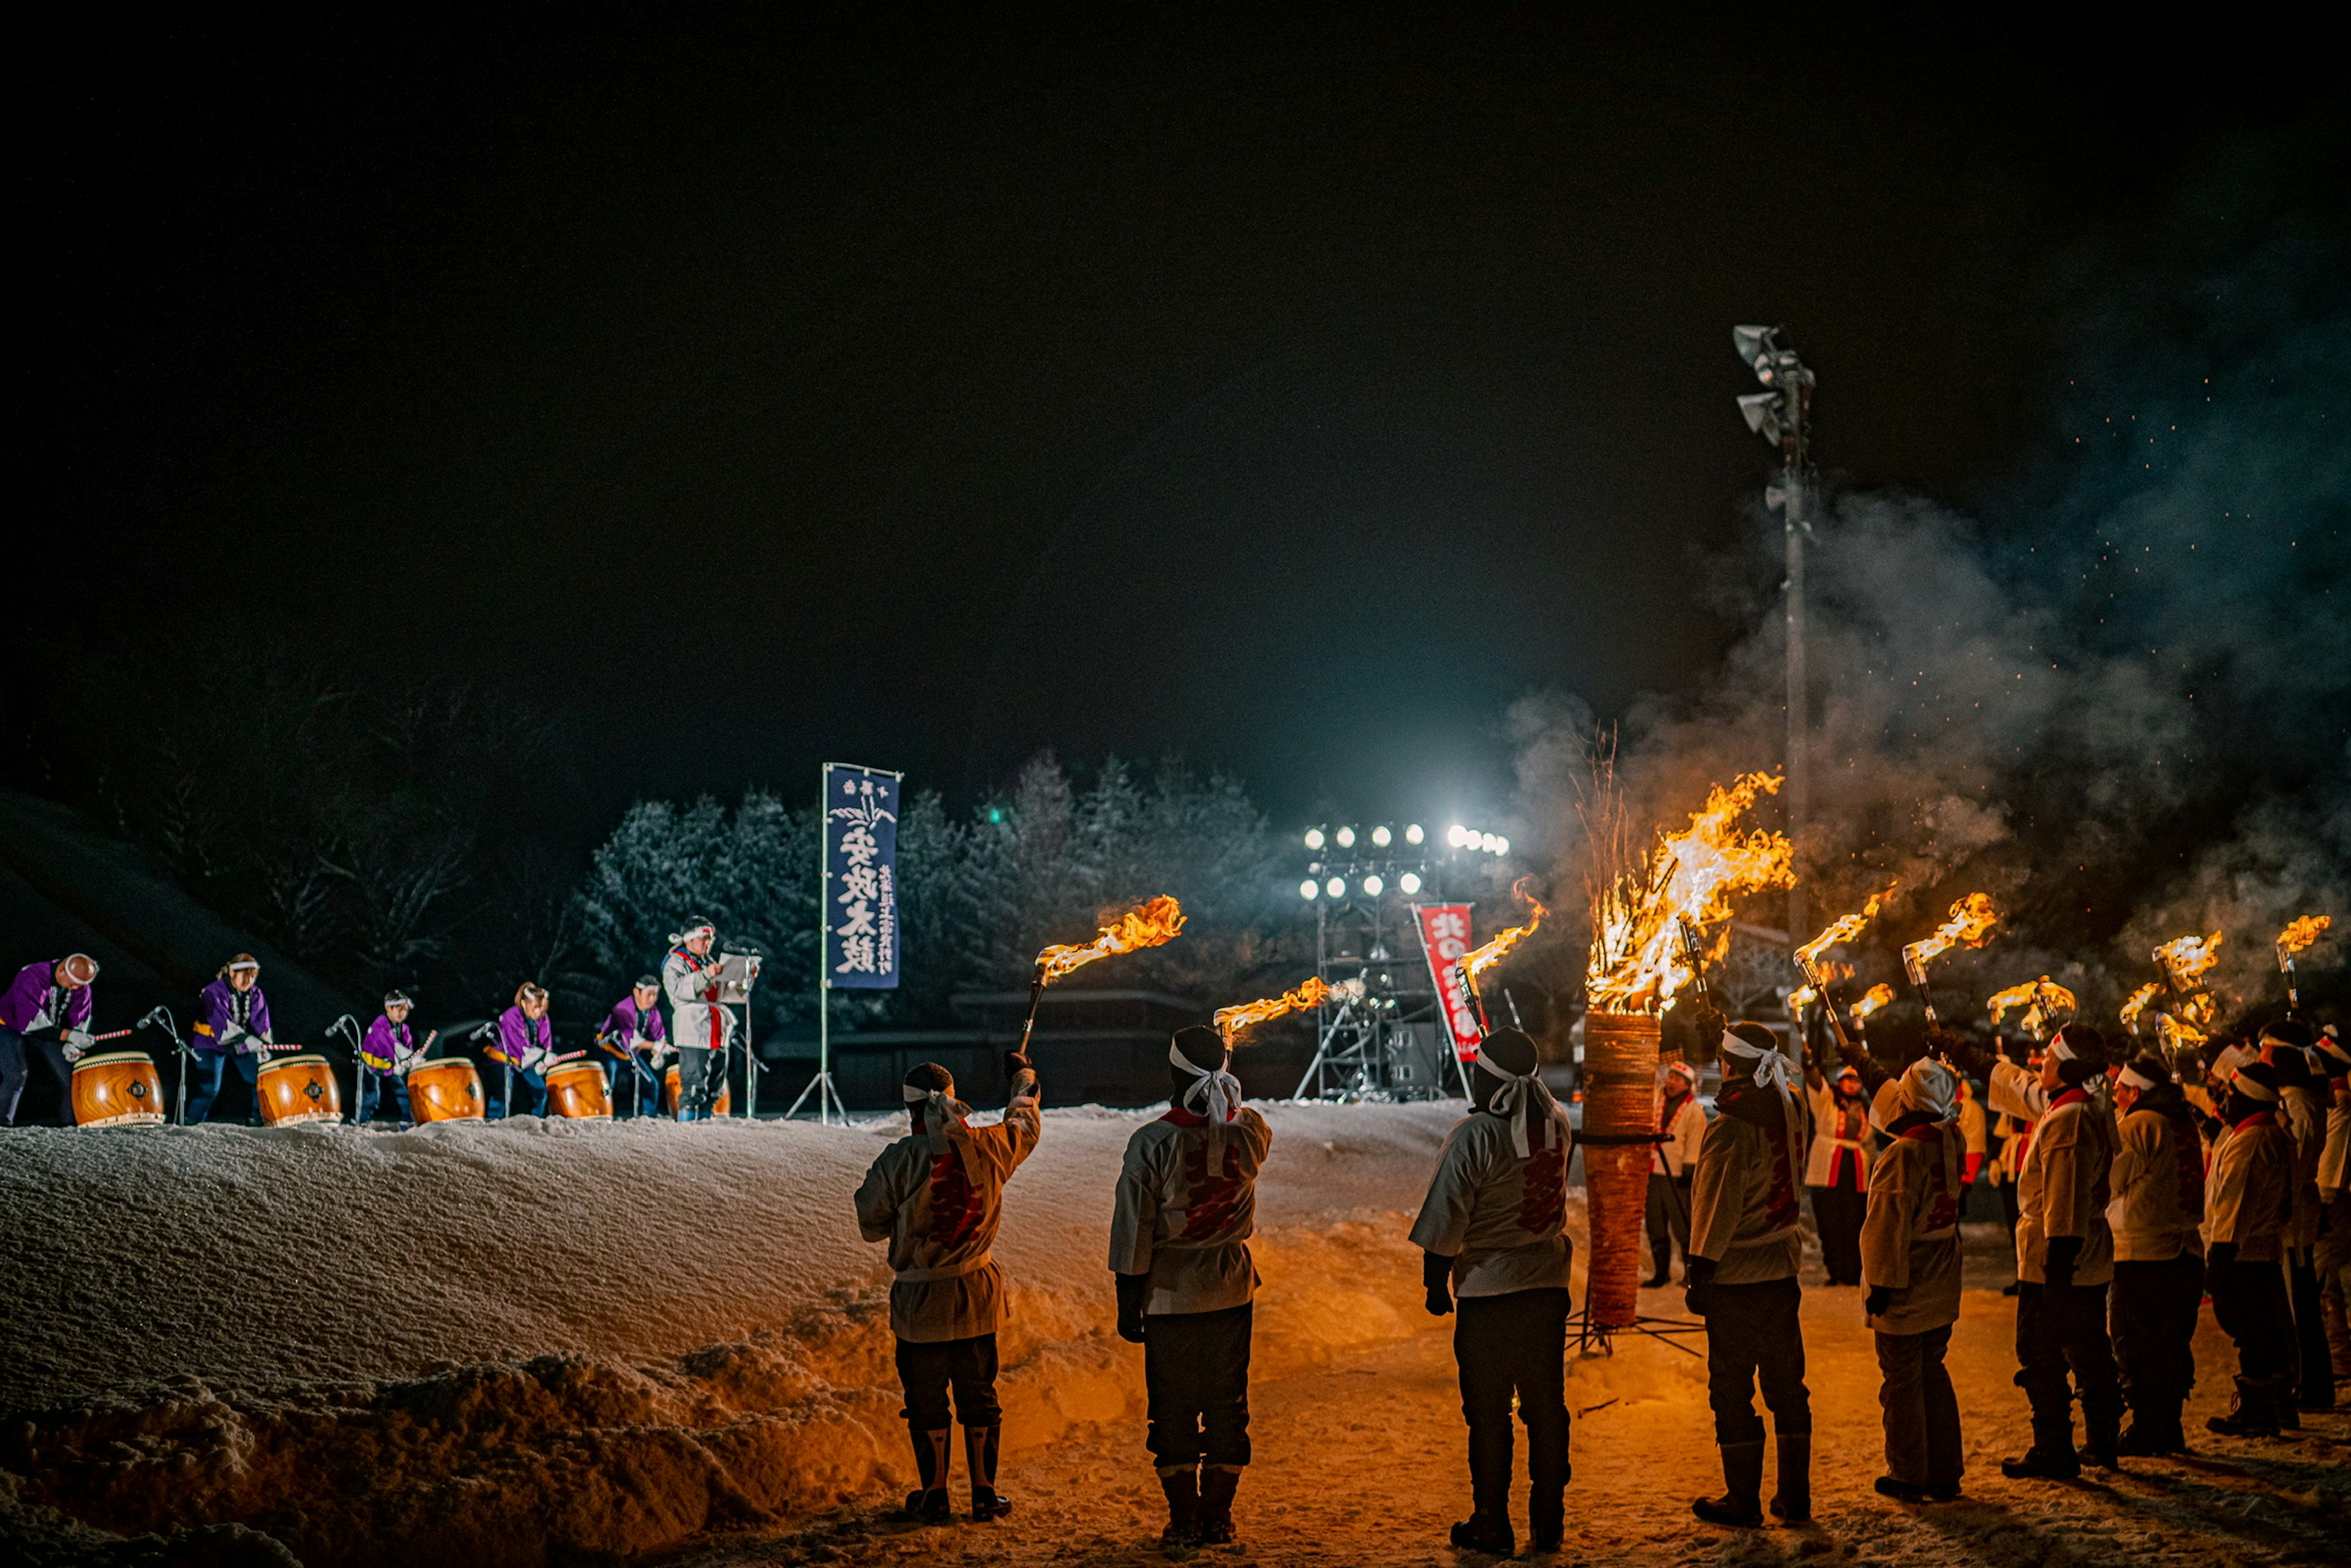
{"x":1286,"y":395}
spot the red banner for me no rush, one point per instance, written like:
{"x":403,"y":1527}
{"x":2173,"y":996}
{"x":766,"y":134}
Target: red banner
{"x":1445,"y":937}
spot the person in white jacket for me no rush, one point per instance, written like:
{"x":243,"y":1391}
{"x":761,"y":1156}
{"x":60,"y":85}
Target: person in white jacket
{"x":1910,"y":1262}
{"x":700,"y":1026}
{"x":2247,"y":1207}
{"x":2158,"y":1200}
{"x":1681,"y":1120}
{"x":2064,"y":1263}
{"x":2333,"y":1253}
{"x":2303,"y":1100}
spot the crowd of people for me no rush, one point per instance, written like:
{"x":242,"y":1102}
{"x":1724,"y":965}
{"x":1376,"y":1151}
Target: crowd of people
{"x":45,"y":1013}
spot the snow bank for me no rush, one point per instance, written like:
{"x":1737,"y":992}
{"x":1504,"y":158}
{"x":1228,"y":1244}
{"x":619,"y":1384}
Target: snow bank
{"x":507,"y":1339}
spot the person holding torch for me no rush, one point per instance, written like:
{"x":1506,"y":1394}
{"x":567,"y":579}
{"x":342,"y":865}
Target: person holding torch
{"x":1910,"y":1261}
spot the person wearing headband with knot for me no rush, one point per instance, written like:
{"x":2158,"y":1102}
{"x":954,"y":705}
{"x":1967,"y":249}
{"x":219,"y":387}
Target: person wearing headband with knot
{"x":700,"y":1024}
{"x":1746,"y":1244}
{"x":1672,"y":1164}
{"x":1185,"y":1206}
{"x":232,"y":1025}
{"x":1910,"y":1261}
{"x":937,"y":1197}
{"x":1493,"y":1232}
{"x":2303,"y":1103}
{"x":48,"y":1007}
{"x":2158,"y":1198}
{"x":2248,"y":1205}
{"x":2064,"y":1261}
{"x":386,"y":1054}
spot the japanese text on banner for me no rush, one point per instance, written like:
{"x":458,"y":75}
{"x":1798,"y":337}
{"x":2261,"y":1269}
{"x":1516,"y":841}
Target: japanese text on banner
{"x":1445,"y":937}
{"x":861,"y":878}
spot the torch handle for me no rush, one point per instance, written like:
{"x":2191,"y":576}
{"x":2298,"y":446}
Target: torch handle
{"x":1690,"y":955}
{"x":1036,"y":995}
{"x":1915,"y":968}
{"x":2293,"y":993}
{"x":1828,"y":1006}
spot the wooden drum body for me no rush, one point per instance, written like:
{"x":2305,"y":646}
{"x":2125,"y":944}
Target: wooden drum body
{"x":1620,"y":1086}
{"x":299,"y":1089}
{"x":448,"y":1090}
{"x":577,"y":1089}
{"x":726,"y":1102}
{"x":120,"y":1089}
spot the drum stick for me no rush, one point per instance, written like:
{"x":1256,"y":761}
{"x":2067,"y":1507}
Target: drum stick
{"x":110,"y":1034}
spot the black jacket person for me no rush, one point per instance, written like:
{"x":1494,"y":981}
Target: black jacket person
{"x":936,"y":1196}
{"x":1745,"y":1245}
{"x":1179,"y":1245}
{"x":1493,"y":1232}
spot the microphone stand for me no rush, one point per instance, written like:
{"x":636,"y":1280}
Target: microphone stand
{"x":161,"y":1018}
{"x":348,"y":1028}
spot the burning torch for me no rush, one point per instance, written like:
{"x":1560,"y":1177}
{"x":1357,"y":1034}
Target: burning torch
{"x":1233,"y":1022}
{"x":2296,"y":938}
{"x":2040,"y":999}
{"x":1478,"y":960}
{"x":1152,"y":924}
{"x":1807,"y":960}
{"x":1971,"y":925}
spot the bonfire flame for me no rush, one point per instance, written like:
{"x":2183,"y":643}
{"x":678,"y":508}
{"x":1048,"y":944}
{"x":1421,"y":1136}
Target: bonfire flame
{"x":2298,"y":937}
{"x":1871,"y":1000}
{"x":1637,"y":963}
{"x":2137,"y":1004}
{"x":1149,"y":924}
{"x":1232,"y":1022}
{"x":2039,"y":998}
{"x":2186,"y":960}
{"x":1844,"y":929}
{"x":1971,"y":925}
{"x":1478,"y":960}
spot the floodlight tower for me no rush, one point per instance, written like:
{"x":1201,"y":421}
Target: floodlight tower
{"x":1783,"y":416}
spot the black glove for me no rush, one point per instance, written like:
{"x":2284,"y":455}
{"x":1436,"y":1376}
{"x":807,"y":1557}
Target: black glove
{"x":1697,"y":1284}
{"x":1134,"y":1295}
{"x":1436,"y":1278}
{"x":2064,"y":1251}
{"x":1880,"y":1298}
{"x":1015,"y":1063}
{"x":1711,"y":1025}
{"x":2221,"y":1254}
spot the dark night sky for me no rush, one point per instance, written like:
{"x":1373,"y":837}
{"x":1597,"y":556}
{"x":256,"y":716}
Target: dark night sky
{"x":1288,"y":395}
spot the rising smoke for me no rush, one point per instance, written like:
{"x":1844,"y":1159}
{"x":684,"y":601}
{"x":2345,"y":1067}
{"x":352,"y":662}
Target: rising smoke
{"x":2120,"y":702}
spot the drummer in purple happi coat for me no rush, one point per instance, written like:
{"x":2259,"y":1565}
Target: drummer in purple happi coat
{"x":385,"y":1056}
{"x":46,"y":1008}
{"x":526,"y":1043}
{"x":633,"y":1039}
{"x":232,"y":1026}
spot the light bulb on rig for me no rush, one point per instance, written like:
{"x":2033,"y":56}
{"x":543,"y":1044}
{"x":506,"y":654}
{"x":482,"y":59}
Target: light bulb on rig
{"x":1313,"y":837}
{"x":1409,"y":882}
{"x":1380,"y":836}
{"x":1346,"y":838}
{"x":1308,"y":889}
{"x":1374,"y":885}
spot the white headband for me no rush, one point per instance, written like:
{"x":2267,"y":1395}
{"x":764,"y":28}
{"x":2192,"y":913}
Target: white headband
{"x":1772,"y":1070}
{"x":245,"y":964}
{"x":1516,"y":1089}
{"x":2136,"y":1079}
{"x":2240,"y":1084}
{"x":691,"y":932}
{"x":2060,"y":1050}
{"x":941,"y":1110}
{"x":1219,"y":1095}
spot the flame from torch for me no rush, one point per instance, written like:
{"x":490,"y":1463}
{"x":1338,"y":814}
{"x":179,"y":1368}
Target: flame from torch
{"x":1152,"y":924}
{"x":1232,"y":1022}
{"x":1871,"y":1000}
{"x":1845,"y":928}
{"x":2295,"y":938}
{"x":2039,"y":998}
{"x":1971,"y":925}
{"x":2136,"y":1005}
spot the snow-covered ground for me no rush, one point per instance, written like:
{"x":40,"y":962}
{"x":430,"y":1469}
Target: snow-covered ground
{"x":528,"y":1343}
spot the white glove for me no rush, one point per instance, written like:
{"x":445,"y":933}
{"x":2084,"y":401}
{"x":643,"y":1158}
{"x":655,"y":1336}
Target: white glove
{"x":77,"y":1037}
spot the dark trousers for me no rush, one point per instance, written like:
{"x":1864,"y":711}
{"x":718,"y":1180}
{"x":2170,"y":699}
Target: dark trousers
{"x":700,"y":1075}
{"x":1839,"y":1211}
{"x":16,"y":1054}
{"x":1195,"y":1370}
{"x":1668,"y":1217}
{"x":529,"y":1090}
{"x":2312,"y":1358}
{"x":2248,"y":1299}
{"x":635,"y":1088}
{"x":1506,"y":1345}
{"x":2062,"y":1329}
{"x":1754,"y":1336}
{"x":2153,"y":1315}
{"x":1922,"y":1413}
{"x":205,"y":1069}
{"x":928,"y":1368}
{"x":2010,"y":1210}
{"x":374,"y":1086}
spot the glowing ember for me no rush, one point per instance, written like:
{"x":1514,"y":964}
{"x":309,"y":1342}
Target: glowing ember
{"x":2137,"y":1004}
{"x":2298,"y":937}
{"x":2039,"y":998}
{"x":1638,"y":964}
{"x":1476,"y":961}
{"x":1844,"y":929}
{"x":1232,"y":1022}
{"x":2186,"y":958}
{"x":1872,"y":1000}
{"x":1971,"y":925}
{"x":1149,"y":924}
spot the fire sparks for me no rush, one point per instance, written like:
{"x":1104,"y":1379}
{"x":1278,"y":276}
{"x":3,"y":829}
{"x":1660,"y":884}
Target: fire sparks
{"x":1478,"y":960}
{"x":2187,"y":958}
{"x":1844,"y":929}
{"x":1232,"y":1022}
{"x":1638,"y":964}
{"x":1871,"y":1000}
{"x":2139,"y":998}
{"x":1152,"y":924}
{"x":2298,"y":937}
{"x":1971,"y":925}
{"x":2040,"y":999}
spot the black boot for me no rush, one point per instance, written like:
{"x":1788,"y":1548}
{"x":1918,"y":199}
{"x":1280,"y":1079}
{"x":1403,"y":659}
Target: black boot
{"x":1487,"y":1533}
{"x":980,"y":1444}
{"x":1487,"y":1528}
{"x":2251,"y":1413}
{"x":2052,"y":1456}
{"x":929,"y":1502}
{"x":1740,"y":1504}
{"x":2154,"y":1429}
{"x":2101,"y":1439}
{"x":1182,"y":1485}
{"x":1793,"y":1503}
{"x":1217,"y":1484}
{"x":2286,"y":1402}
{"x":1547,"y":1501}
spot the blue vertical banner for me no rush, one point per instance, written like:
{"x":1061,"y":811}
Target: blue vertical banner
{"x":860,"y":897}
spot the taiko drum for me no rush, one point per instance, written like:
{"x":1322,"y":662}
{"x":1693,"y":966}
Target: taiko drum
{"x":120,"y":1089}
{"x":1620,"y":1084}
{"x":297,"y":1089}
{"x":577,"y":1089}
{"x":669,"y":1094}
{"x":447,"y":1090}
